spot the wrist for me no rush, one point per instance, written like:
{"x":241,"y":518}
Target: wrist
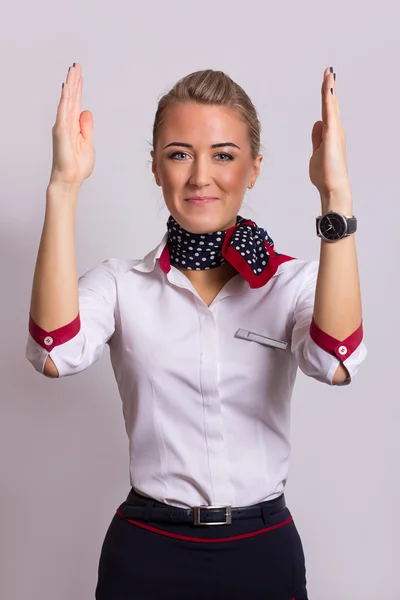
{"x":63,"y":193}
{"x":338,"y":202}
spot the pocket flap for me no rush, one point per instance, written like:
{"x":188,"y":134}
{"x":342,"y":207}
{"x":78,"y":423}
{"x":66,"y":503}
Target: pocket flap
{"x":250,"y":336}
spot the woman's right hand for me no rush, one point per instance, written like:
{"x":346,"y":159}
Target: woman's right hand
{"x":73,"y":150}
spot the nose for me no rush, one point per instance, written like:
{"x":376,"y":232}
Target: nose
{"x":200,"y":175}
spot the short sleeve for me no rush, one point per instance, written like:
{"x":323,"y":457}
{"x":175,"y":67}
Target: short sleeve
{"x":77,"y":345}
{"x":317,"y":354}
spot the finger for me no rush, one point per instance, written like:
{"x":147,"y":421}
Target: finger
{"x":323,"y":97}
{"x":330,"y":115}
{"x":326,"y":100}
{"x":62,"y":109}
{"x":77,"y":99}
{"x":76,"y":113}
{"x":72,"y":84}
{"x":70,"y":75}
{"x":335,"y":96}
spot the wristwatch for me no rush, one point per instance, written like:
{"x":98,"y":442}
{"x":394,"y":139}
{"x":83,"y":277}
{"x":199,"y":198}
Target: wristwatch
{"x":333,"y":226}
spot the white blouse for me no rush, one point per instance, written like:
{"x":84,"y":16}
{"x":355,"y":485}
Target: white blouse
{"x":205,"y":390}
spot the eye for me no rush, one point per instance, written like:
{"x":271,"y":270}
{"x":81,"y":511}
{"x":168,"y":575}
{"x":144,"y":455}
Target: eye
{"x":178,"y":155}
{"x":224,"y":156}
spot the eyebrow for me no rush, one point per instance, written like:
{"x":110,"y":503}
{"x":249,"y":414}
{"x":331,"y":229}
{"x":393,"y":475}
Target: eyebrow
{"x":185,"y":145}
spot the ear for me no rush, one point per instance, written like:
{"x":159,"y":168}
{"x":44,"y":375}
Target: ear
{"x":256,"y":170}
{"x":154,"y":168}
{"x":257,"y":165}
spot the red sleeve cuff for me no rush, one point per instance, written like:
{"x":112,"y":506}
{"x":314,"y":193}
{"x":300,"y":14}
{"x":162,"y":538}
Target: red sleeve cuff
{"x":342,"y":349}
{"x":49,"y":339}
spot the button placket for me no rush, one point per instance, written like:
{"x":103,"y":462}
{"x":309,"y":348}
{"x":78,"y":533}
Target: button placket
{"x":212,"y":406}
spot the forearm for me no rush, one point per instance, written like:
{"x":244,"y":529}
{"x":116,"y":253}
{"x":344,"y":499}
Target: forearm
{"x":337,"y":309}
{"x":54,"y":300}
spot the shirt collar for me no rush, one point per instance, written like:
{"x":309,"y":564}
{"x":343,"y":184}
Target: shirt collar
{"x":147,"y":264}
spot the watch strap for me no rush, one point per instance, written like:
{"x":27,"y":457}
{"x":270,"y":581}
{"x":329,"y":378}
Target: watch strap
{"x":351,"y":225}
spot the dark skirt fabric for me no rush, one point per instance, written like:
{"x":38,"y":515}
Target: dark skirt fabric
{"x":251,"y":559}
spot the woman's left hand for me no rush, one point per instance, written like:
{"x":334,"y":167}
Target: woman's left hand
{"x":328,"y":164}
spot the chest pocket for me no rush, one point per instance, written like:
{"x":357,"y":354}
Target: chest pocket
{"x":251,"y":336}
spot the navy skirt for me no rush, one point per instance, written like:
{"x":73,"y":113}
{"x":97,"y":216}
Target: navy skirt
{"x":255,"y":558}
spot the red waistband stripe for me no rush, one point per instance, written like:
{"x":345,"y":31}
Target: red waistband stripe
{"x":187,"y":538}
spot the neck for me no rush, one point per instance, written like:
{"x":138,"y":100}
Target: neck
{"x":210,"y":277}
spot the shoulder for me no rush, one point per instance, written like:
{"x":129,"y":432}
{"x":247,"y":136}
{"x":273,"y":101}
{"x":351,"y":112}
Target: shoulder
{"x":118,"y":267}
{"x":108,"y":272}
{"x":301,"y":269}
{"x":297,"y":278}
{"x":113,"y":266}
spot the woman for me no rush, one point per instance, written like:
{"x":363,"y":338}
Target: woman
{"x":205,"y":334}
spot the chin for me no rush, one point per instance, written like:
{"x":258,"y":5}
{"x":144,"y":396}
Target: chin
{"x":204,"y":223}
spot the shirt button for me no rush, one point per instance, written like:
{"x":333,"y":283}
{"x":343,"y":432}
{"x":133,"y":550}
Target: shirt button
{"x":342,"y":350}
{"x":48,"y":340}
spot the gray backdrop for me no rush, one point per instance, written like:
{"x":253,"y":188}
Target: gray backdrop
{"x":63,"y":446}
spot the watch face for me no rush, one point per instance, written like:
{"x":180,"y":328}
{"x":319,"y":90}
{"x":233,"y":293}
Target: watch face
{"x":332,"y":227}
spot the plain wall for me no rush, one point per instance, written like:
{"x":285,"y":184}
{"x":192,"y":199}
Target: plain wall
{"x":63,"y":445}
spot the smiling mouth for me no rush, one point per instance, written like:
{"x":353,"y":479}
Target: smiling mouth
{"x":198,"y":199}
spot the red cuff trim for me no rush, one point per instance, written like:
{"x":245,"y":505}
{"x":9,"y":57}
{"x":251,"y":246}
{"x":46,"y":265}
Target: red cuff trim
{"x":49,"y":339}
{"x":342,"y":349}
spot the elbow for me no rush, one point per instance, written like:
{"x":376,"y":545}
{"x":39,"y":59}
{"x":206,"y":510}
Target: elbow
{"x":341,"y":376}
{"x":50,"y":369}
{"x":35,"y":355}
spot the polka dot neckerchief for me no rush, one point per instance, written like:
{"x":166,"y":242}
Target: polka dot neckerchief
{"x":245,"y":246}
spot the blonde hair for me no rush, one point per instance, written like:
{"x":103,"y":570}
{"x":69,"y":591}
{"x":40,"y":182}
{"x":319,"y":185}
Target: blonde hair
{"x":216,"y":88}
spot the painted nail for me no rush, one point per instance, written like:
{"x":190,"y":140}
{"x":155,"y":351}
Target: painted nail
{"x":331,"y":69}
{"x":332,"y":91}
{"x":74,"y":64}
{"x":334,"y":76}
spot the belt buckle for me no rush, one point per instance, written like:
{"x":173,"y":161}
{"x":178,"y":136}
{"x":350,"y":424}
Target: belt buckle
{"x":197,"y":514}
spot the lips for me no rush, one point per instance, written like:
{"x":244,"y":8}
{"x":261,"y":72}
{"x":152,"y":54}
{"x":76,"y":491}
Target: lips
{"x":201,"y":199}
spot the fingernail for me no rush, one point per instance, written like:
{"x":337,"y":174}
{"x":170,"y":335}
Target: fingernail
{"x":334,"y":76}
{"x":332,"y":91}
{"x":74,"y":64}
{"x":331,"y":69}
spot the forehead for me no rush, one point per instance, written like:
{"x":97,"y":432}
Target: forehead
{"x":203,"y":124}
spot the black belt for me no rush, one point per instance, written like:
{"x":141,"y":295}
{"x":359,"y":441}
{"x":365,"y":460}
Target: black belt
{"x":152,"y":510}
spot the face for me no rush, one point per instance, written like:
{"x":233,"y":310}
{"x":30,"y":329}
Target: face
{"x":203,"y":163}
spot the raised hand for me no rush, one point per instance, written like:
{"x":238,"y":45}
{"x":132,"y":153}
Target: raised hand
{"x":328,"y":164}
{"x":73,"y":150}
